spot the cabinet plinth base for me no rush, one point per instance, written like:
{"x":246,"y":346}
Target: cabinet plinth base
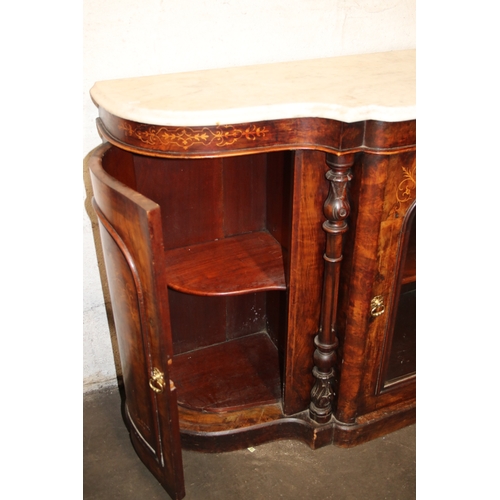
{"x":210,"y":432}
{"x":374,"y":425}
{"x":214,"y":433}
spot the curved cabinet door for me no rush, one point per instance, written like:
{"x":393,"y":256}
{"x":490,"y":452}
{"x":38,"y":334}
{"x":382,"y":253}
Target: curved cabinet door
{"x":130,"y":229}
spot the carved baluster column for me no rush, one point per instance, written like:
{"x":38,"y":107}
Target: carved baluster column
{"x":336,"y":209}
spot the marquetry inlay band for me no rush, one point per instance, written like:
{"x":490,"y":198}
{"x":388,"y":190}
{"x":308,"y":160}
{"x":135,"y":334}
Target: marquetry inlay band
{"x":185,"y":137}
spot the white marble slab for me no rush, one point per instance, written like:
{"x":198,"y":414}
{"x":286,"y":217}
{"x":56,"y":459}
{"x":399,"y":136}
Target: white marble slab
{"x":379,"y":86}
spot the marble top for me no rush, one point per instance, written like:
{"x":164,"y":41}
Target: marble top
{"x":378,"y":86}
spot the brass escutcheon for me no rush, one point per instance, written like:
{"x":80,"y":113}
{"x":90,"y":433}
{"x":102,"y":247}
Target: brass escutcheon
{"x":157,"y":382}
{"x":377,"y":306}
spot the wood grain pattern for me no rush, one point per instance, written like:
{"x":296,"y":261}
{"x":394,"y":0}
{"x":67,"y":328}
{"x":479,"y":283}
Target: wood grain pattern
{"x":194,"y":214}
{"x":236,"y":430}
{"x":375,"y":424}
{"x":246,"y":314}
{"x":244,"y":186}
{"x":228,"y":244}
{"x":380,"y":215}
{"x":370,"y":176}
{"x":231,"y":266}
{"x":321,"y":134}
{"x":307,"y":246}
{"x":196,"y":321}
{"x":242,"y":373}
{"x":336,"y":209}
{"x":130,"y":227}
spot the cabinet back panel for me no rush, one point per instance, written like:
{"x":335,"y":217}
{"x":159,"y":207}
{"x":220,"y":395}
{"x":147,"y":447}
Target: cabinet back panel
{"x":189,"y":194}
{"x":196,"y":321}
{"x":203,"y":200}
{"x":246,"y":314}
{"x":244,"y":194}
{"x":203,"y":321}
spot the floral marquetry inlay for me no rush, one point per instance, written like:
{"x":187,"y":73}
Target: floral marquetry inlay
{"x":221,"y":135}
{"x":404,"y":191}
{"x":407,"y":187}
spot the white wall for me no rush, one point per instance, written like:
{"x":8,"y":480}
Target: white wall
{"x":125,"y":38}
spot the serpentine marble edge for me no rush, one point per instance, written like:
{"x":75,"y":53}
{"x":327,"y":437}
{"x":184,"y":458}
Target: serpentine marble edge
{"x":377,"y":86}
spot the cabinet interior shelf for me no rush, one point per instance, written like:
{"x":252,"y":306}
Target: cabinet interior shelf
{"x":236,"y":265}
{"x":217,"y":378}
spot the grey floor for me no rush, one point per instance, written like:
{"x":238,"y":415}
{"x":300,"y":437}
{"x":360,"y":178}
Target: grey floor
{"x":381,"y":469}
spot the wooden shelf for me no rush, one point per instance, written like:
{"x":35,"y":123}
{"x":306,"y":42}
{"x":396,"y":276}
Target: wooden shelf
{"x":241,"y":264}
{"x":234,"y":375}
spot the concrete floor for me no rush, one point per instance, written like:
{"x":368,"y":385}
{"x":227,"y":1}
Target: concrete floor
{"x":381,"y":469}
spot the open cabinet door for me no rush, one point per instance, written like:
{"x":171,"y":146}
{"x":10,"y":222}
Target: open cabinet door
{"x":132,"y":242}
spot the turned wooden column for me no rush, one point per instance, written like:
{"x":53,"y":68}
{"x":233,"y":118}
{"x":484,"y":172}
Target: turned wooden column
{"x":336,"y":210}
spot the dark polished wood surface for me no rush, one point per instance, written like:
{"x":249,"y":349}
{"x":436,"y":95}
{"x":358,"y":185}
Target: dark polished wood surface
{"x":130,"y":226}
{"x":230,"y":140}
{"x":243,"y":262}
{"x":240,"y":264}
{"x":237,"y":374}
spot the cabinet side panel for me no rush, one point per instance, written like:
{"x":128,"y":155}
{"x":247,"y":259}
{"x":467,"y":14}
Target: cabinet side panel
{"x":279,"y":200}
{"x":279,"y":195}
{"x":276,"y":308}
{"x":306,"y":276}
{"x":280,"y":169}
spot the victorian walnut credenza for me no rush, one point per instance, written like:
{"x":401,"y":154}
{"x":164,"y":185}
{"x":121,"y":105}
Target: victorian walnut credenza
{"x":258,"y":227}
